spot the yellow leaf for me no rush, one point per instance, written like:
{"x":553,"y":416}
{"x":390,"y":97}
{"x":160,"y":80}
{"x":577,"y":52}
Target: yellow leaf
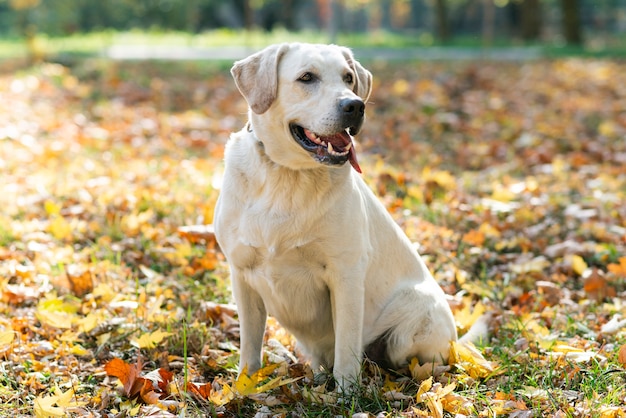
{"x":607,"y":128}
{"x":6,"y":339}
{"x":51,"y":208}
{"x":150,"y":340}
{"x":578,"y":264}
{"x":612,"y":412}
{"x":466,"y":317}
{"x":400,"y":87}
{"x":56,"y":313}
{"x":424,"y":386}
{"x":104,"y":291}
{"x":502,"y":194}
{"x":249,"y":385}
{"x":434,"y":405}
{"x":44,"y":405}
{"x":222,"y":397}
{"x":446,"y":390}
{"x":79,"y":350}
{"x":457,"y":404}
{"x":60,"y":228}
{"x":442,"y":178}
{"x":65,"y":398}
{"x":489,"y":230}
{"x":88,"y":323}
{"x":466,"y":356}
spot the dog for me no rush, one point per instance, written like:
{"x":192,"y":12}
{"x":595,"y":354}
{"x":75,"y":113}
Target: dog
{"x":306,"y":239}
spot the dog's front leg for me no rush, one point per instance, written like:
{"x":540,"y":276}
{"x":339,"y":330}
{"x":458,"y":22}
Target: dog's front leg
{"x":348,"y":300}
{"x":252,"y":317}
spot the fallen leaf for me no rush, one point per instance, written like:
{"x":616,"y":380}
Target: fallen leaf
{"x":44,"y":406}
{"x":614,"y":325}
{"x":597,"y":286}
{"x":81,"y":282}
{"x":247,"y":385}
{"x":467,"y":356}
{"x":578,"y":264}
{"x":128,"y":374}
{"x":150,"y":340}
{"x":6,"y":340}
{"x":474,"y":237}
{"x":618,"y":269}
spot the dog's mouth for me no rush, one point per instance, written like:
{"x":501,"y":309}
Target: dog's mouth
{"x":333,"y":149}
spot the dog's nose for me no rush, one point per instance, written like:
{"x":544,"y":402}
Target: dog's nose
{"x":352,"y":107}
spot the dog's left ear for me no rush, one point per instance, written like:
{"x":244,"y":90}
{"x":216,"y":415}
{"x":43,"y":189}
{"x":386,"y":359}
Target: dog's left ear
{"x":256,"y":77}
{"x":363,"y":82}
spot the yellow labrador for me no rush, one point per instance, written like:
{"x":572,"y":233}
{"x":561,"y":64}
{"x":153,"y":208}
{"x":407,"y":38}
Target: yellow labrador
{"x":306,"y":239}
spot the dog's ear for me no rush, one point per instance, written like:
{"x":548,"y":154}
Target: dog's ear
{"x":363,"y":82}
{"x":256,"y":77}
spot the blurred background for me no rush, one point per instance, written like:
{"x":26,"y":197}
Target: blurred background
{"x":38,"y":27}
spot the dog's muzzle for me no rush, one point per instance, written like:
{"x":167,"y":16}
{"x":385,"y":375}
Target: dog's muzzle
{"x":338,"y":147}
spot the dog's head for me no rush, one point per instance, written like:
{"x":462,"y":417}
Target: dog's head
{"x":306,"y":101}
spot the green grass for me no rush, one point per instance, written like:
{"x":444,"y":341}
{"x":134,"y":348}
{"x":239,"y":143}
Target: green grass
{"x":92,"y":43}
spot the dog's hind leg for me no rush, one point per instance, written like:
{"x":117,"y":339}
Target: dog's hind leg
{"x":417,"y":323}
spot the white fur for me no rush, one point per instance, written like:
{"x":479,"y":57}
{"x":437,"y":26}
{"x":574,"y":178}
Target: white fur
{"x":309,"y":243}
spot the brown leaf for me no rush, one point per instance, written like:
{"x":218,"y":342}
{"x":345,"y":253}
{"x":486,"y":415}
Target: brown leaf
{"x":81,"y":282}
{"x":597,"y":287}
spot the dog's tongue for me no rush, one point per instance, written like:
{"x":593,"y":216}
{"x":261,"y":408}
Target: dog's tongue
{"x":341,"y":141}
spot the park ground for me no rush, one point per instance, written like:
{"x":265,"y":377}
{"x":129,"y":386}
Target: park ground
{"x":509,"y":175}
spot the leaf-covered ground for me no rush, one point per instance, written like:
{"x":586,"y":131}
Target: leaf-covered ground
{"x":114,"y":302}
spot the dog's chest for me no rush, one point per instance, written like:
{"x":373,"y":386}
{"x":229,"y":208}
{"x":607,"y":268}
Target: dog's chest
{"x":291,"y":281}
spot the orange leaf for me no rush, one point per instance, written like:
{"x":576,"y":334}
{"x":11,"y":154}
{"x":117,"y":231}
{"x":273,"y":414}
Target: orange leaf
{"x":128,"y":375}
{"x":474,"y":237}
{"x":202,"y":390}
{"x":166,"y":378}
{"x":81,"y":283}
{"x":597,"y":287}
{"x":149,"y":396}
{"x":618,"y":269}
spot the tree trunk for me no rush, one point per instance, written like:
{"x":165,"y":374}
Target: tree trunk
{"x":385,"y":14}
{"x":571,"y":22}
{"x":335,"y":19}
{"x":441,"y":21}
{"x":248,"y":17}
{"x":489,"y":12}
{"x":289,"y":18}
{"x":530,"y":16}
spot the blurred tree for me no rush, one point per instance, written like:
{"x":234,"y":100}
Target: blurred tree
{"x":289,"y":16}
{"x":442,"y":30}
{"x":530,"y":19}
{"x":572,"y":30}
{"x":489,"y":13}
{"x":26,"y":27}
{"x":385,"y":14}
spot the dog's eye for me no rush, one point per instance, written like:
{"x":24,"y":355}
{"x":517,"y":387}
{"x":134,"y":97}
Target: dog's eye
{"x":348,"y":78}
{"x":306,"y":78}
